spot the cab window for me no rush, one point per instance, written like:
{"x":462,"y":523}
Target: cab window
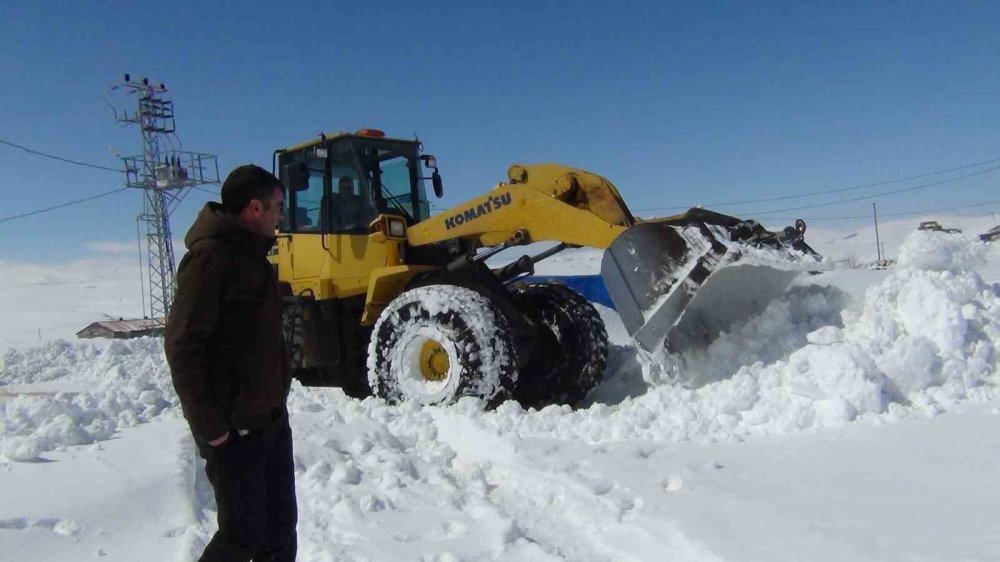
{"x":351,"y":205}
{"x":303,"y":203}
{"x":309,"y":202}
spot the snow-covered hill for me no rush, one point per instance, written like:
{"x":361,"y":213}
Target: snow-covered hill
{"x":858,"y":245}
{"x":44,"y":302}
{"x":856,"y":419}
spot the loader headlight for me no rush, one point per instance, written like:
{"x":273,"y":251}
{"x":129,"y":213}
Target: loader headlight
{"x":387,"y":227}
{"x":397,"y":227}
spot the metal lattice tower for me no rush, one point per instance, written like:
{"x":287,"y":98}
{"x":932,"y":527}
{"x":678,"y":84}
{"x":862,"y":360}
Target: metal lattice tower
{"x":166,"y":175}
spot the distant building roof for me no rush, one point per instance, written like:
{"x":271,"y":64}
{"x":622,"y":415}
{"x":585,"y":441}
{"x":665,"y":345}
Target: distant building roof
{"x":123,"y":329}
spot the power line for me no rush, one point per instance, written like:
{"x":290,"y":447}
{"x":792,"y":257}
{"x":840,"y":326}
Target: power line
{"x":69,"y":161}
{"x":898,"y":214}
{"x":941,"y":209}
{"x":40,"y":211}
{"x":60,"y":158}
{"x":828,"y":191}
{"x":876,"y":195}
{"x":75,"y":162}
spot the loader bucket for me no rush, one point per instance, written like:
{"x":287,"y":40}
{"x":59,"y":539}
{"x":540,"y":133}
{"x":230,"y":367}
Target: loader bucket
{"x":680,"y":282}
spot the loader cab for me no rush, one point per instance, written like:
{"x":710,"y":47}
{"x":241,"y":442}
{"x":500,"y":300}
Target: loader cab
{"x":339,"y":185}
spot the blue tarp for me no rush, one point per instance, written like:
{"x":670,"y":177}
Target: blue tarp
{"x":590,"y":286}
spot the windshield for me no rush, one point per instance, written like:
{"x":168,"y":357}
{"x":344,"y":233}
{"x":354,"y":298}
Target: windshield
{"x":392,"y":169}
{"x":396,"y":188}
{"x":350,"y":182}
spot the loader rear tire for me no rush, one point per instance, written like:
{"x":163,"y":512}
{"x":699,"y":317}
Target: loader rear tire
{"x":437,"y":343}
{"x":571,"y":352}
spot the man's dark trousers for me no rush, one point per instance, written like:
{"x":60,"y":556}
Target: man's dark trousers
{"x":254,"y":480}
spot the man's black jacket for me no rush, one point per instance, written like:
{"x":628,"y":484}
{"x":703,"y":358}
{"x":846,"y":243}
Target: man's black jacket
{"x":223,"y":337}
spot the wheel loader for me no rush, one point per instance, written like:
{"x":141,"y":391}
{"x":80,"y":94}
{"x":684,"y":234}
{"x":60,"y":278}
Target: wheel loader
{"x":384,"y":297}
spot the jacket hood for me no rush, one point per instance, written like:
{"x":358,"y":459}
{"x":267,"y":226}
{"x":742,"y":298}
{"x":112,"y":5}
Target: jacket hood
{"x":214,"y":223}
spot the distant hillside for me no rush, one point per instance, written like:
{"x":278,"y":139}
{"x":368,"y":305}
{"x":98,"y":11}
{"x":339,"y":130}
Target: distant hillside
{"x":859,"y":244}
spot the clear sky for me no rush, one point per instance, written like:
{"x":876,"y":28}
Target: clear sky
{"x":677,"y":103}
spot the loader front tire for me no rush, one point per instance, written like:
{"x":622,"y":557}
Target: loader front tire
{"x":438,"y":343}
{"x":571,"y":350}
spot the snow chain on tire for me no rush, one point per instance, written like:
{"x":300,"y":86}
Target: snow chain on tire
{"x":572,"y":352}
{"x":437,"y":343}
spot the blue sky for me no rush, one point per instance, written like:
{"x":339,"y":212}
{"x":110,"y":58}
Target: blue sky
{"x":677,"y":103}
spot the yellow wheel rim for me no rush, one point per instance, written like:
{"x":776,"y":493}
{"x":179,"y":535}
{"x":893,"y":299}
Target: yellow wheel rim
{"x":434,"y":362}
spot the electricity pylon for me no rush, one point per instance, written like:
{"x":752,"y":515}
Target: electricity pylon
{"x":166,"y":175}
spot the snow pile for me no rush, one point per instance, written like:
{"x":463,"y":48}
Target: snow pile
{"x":938,"y":251}
{"x":118,"y":385}
{"x":924,"y":338}
{"x":933,"y":327}
{"x":781,"y":329}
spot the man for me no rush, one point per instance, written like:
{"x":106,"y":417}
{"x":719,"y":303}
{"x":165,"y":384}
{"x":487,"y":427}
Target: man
{"x":348,"y":206}
{"x":227,"y":361}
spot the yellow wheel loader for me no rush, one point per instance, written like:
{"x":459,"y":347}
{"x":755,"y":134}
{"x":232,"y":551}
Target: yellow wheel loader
{"x":383,"y":297}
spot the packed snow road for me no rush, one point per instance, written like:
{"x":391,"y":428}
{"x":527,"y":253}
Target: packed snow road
{"x":855,"y":419}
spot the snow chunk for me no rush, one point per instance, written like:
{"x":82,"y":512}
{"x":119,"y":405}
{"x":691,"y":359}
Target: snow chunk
{"x":21,"y":448}
{"x":826,"y":335}
{"x":912,"y":363}
{"x":841,"y":373}
{"x":941,"y":251}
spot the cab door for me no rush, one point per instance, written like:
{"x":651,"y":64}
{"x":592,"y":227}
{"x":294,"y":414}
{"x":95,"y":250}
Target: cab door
{"x":307,"y":222}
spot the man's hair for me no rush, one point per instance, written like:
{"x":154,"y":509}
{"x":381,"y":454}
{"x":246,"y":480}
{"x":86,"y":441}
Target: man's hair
{"x":246,"y":183}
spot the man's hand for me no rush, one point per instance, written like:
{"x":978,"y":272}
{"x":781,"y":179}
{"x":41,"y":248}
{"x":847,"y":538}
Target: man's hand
{"x":219,"y":441}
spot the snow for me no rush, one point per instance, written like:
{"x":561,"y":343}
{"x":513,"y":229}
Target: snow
{"x":941,"y":252}
{"x":42,"y":302}
{"x":858,"y":246}
{"x":97,"y":391}
{"x":854,"y":419}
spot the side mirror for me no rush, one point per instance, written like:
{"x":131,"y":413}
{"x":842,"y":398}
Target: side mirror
{"x":438,"y":186}
{"x":295,"y":176}
{"x":431,"y":162}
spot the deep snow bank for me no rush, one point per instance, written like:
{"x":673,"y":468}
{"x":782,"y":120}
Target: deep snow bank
{"x":67,"y":393}
{"x":924,"y":338}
